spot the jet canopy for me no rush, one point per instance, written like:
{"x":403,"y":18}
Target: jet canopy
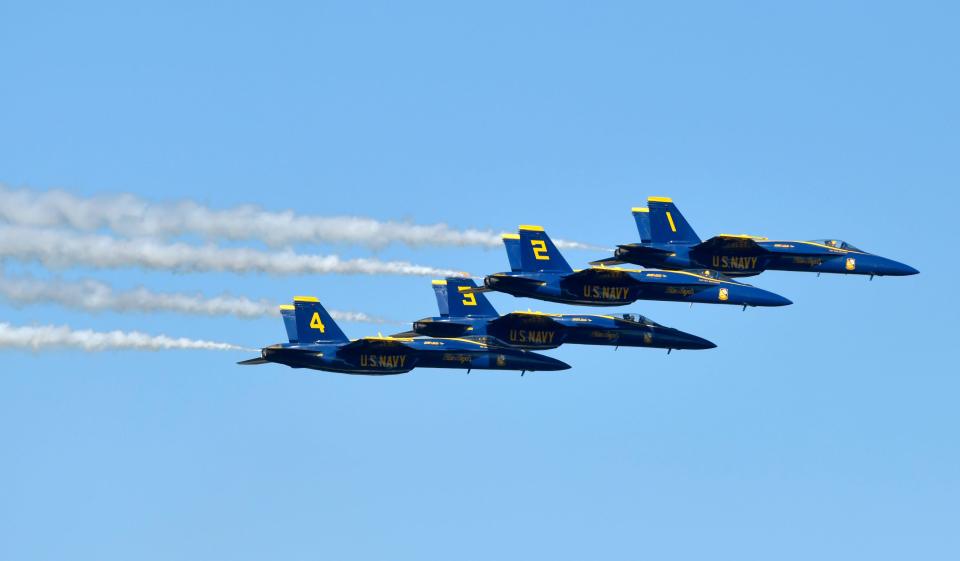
{"x":839,"y":244}
{"x":642,"y":320}
{"x":711,"y":274}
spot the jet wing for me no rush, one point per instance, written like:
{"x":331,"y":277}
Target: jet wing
{"x":375,"y":343}
{"x":747,"y":245}
{"x":731,"y":244}
{"x":608,"y":262}
{"x":405,"y":334}
{"x":601,"y":274}
{"x":487,"y":342}
{"x":525,"y":319}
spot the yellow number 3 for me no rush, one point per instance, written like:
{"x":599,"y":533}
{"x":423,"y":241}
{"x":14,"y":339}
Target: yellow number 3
{"x":315,"y":323}
{"x":469,"y":298}
{"x":540,"y":250}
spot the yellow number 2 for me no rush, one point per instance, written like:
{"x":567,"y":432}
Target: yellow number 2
{"x":540,"y":250}
{"x":315,"y":323}
{"x":469,"y":298}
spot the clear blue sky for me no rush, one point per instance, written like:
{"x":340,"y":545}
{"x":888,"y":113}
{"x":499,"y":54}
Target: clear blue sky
{"x":826,"y":430}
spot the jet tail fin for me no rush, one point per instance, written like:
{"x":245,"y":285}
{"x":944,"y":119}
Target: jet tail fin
{"x":538,"y":252}
{"x":440,"y":291}
{"x":511,"y":242}
{"x":288,"y":313}
{"x":314,"y":324}
{"x":642,"y":216}
{"x":667,"y":225}
{"x":463,"y":301}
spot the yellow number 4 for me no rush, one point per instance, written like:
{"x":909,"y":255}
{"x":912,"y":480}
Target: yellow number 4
{"x":540,"y":250}
{"x":469,"y":298}
{"x":315,"y":323}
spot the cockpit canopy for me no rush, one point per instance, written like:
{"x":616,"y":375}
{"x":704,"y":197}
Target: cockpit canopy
{"x":642,"y":320}
{"x":711,"y":274}
{"x":839,"y":244}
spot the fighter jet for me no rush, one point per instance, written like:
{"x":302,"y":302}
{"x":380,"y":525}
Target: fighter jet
{"x":668,"y":242}
{"x":538,"y":270}
{"x":466,"y":312}
{"x":317,"y":342}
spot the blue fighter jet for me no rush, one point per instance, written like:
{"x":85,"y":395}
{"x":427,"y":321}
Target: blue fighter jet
{"x":668,"y":242}
{"x":317,"y":342}
{"x":538,"y":270}
{"x":464,"y":311}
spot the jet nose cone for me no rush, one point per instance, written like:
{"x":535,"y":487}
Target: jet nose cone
{"x":776,"y":300}
{"x":753,"y":296}
{"x":534,"y":361}
{"x":695,"y":343}
{"x":896,"y":269}
{"x":676,"y":339}
{"x":689,"y":341}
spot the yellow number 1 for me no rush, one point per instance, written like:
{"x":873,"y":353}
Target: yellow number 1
{"x":540,"y":250}
{"x":315,"y":323}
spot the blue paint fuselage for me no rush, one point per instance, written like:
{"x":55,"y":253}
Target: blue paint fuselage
{"x":616,"y":287}
{"x":533,"y":330}
{"x":753,"y":256}
{"x":379,"y":356}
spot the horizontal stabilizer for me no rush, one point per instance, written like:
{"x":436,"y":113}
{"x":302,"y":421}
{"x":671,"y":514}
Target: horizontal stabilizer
{"x":514,"y":281}
{"x":643,"y":249}
{"x":405,"y":334}
{"x":258,"y":360}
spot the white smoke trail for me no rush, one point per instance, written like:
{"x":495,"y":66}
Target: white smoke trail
{"x":131,"y":216}
{"x":55,"y":248}
{"x":44,"y":337}
{"x":95,"y":296}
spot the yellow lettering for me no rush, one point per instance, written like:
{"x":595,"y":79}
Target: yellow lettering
{"x":469,"y":298}
{"x":605,"y":292}
{"x":316,"y":323}
{"x":540,"y":250}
